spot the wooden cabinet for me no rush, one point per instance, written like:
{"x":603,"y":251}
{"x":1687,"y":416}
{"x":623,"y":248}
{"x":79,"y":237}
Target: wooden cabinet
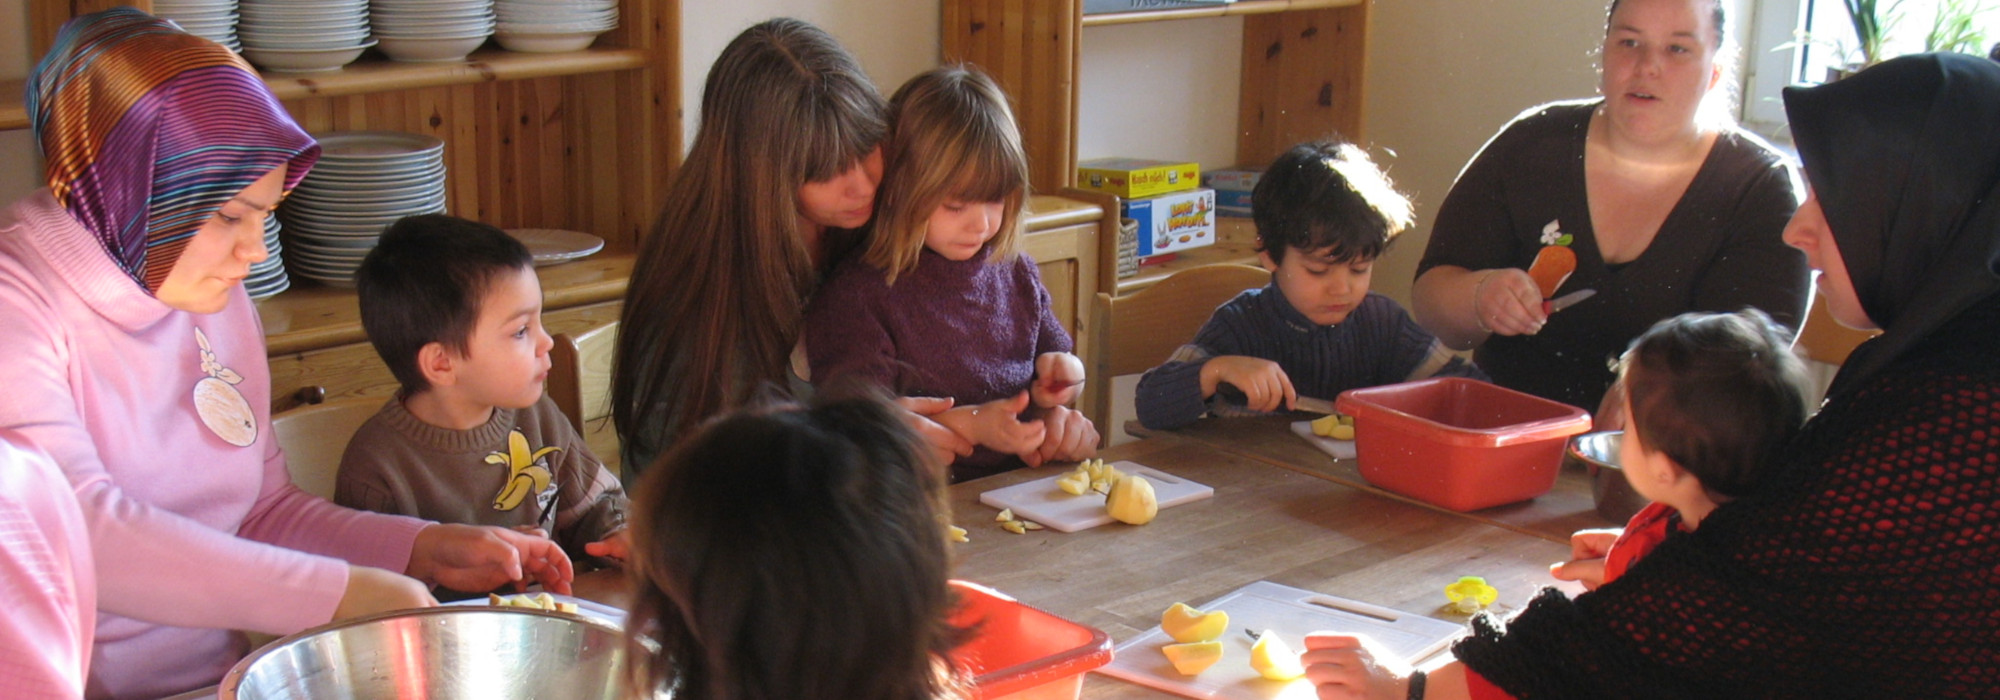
{"x":1303,"y":66}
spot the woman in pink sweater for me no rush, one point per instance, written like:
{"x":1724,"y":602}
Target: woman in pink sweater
{"x":137,"y":364}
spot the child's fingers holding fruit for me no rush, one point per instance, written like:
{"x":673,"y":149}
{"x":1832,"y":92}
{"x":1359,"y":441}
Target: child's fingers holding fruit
{"x":1058,"y":378}
{"x":997,"y":425}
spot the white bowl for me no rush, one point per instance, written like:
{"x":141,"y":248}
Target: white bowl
{"x":303,"y":60}
{"x":545,"y":43}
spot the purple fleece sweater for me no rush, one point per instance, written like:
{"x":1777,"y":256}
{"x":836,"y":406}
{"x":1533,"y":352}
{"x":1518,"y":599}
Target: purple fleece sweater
{"x":968,"y":330}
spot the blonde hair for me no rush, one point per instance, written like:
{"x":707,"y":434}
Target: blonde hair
{"x":951,"y":137}
{"x":716,"y":299}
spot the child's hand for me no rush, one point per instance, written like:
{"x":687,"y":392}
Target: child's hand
{"x":1070,"y":437}
{"x":1263,"y":383}
{"x":480,"y":558}
{"x":997,"y":425}
{"x":1353,"y":666}
{"x":615,"y":546}
{"x":1058,"y":378}
{"x":1586,"y":552}
{"x":924,"y":414}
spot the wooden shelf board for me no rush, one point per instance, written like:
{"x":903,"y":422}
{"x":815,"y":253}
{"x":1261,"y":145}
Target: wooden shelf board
{"x":13,"y":104}
{"x":371,"y":76}
{"x":1235,"y":242}
{"x":1049,"y":211}
{"x":1240,"y":7}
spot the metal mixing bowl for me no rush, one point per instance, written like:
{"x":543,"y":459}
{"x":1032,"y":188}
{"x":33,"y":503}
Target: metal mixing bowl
{"x":443,"y":653}
{"x":1598,"y":453}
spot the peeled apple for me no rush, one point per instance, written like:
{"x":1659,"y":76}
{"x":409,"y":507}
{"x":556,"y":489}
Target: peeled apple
{"x":1187,"y":625}
{"x":1193,"y":658}
{"x":1132,"y":501}
{"x":1272,"y":658}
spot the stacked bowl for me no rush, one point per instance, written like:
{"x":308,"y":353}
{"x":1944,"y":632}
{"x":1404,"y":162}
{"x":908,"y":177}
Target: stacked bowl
{"x":431,"y":30}
{"x":303,"y":35}
{"x":268,"y":277}
{"x":365,"y":180}
{"x":214,"y":20}
{"x":543,"y":26}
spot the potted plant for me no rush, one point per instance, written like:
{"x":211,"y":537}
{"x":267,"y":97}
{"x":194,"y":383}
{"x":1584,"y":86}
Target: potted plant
{"x":1954,"y":28}
{"x":1872,"y":21}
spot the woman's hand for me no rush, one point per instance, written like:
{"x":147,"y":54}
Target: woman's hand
{"x":1070,"y":436}
{"x":371,"y":590}
{"x":1586,"y":557}
{"x":616,"y":546}
{"x":480,"y":558}
{"x":1058,"y":378}
{"x":997,"y":425}
{"x":1264,"y":384}
{"x":1353,"y":667}
{"x":922,"y":415}
{"x":1505,"y":301}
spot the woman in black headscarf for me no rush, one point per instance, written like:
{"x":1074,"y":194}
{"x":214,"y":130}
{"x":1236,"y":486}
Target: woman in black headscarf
{"x":1871,"y":565}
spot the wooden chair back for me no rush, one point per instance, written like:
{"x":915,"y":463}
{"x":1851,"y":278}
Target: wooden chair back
{"x":1823,"y":339}
{"x":1134,"y":333}
{"x":580,"y":384}
{"x":314,"y":437}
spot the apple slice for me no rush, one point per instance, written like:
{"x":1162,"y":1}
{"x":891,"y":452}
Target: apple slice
{"x":1193,"y":658}
{"x":1188,"y":625}
{"x":1272,"y":658}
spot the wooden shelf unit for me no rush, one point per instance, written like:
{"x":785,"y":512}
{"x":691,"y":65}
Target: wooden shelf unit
{"x":1240,"y":7}
{"x":583,"y":140}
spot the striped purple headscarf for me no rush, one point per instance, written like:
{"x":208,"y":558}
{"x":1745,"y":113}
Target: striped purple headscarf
{"x":148,"y":130}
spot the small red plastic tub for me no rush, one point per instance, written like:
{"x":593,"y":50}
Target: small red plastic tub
{"x":1460,"y":443}
{"x":1021,"y":652}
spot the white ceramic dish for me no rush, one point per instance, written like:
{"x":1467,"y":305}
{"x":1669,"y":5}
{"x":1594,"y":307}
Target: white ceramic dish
{"x":545,"y":43}
{"x":429,"y":50}
{"x":551,"y":246}
{"x":376,"y":146}
{"x":303,"y":60}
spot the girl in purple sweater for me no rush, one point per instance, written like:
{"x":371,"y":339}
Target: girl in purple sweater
{"x":940,"y":303}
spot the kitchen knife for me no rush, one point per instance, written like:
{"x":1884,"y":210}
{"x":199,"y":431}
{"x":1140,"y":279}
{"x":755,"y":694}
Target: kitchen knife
{"x":1567,"y":300}
{"x":1306,"y":403}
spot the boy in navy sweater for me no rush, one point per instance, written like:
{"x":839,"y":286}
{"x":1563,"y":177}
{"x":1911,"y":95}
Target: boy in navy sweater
{"x":1324,"y":214}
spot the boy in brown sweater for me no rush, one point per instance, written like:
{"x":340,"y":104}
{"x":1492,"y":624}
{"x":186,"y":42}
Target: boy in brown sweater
{"x":455,"y":310}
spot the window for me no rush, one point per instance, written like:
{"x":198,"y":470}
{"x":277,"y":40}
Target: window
{"x":1780,"y":54}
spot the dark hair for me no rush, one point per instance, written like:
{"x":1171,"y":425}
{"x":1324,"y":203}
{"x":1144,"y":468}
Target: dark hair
{"x":1327,"y":194}
{"x":952,"y":136}
{"x":423,"y":283}
{"x":716,"y":299}
{"x":1718,"y":393}
{"x":793,"y":552}
{"x":1718,"y":16}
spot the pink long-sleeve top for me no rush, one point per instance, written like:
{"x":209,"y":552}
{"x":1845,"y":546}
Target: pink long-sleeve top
{"x":46,"y":580}
{"x":160,"y":420}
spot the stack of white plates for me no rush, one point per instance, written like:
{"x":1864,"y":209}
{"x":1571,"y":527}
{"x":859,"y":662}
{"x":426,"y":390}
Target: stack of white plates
{"x":365,"y":180}
{"x":268,"y":277}
{"x":553,"y":25}
{"x":431,"y":30}
{"x":303,"y":35}
{"x":214,"y":20}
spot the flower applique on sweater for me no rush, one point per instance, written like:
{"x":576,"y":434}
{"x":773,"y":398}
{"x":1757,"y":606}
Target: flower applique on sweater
{"x":222,"y":408}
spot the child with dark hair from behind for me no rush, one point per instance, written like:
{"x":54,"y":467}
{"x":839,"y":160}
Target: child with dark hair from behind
{"x":1711,"y":398}
{"x":454,"y":308}
{"x":1324,"y":214}
{"x":794,"y":552}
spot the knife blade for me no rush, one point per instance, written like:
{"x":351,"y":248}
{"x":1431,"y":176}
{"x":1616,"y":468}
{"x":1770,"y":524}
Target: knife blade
{"x":1307,"y":403}
{"x":1567,"y":300}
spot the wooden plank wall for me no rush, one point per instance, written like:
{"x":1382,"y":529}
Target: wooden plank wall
{"x":1302,"y":79}
{"x":1030,"y":48}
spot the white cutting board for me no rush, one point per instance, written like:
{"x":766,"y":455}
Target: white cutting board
{"x":1288,"y":612}
{"x":1340,"y":449}
{"x":1041,"y":501}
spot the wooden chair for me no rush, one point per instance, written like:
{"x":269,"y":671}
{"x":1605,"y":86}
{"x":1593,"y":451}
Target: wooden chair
{"x":580,"y":384}
{"x":313,"y":438}
{"x":1823,"y":339}
{"x":1132,"y":334}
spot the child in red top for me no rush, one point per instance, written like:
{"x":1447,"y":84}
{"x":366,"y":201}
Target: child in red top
{"x":1711,"y":397}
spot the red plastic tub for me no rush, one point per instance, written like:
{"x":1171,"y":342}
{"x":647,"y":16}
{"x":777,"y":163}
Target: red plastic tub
{"x":1459,"y":443}
{"x":1023,"y":653}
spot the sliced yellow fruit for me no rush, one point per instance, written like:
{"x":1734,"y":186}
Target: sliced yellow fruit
{"x":1272,"y":658}
{"x":1341,"y":432}
{"x":1132,"y":501}
{"x":1324,"y":426}
{"x":1193,"y":658}
{"x":1030,"y":524}
{"x":1014,"y":526}
{"x":566,"y":607}
{"x":954,"y":533}
{"x":1074,"y":483}
{"x":1188,"y":625}
{"x":1005,"y":515}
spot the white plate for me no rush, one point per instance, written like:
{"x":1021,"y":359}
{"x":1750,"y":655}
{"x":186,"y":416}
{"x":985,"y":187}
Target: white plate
{"x":375,"y":146}
{"x":551,"y":246}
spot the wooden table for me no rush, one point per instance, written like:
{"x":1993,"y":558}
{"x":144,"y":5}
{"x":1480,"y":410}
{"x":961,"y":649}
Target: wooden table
{"x":1554,"y":515}
{"x":1288,"y":526}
